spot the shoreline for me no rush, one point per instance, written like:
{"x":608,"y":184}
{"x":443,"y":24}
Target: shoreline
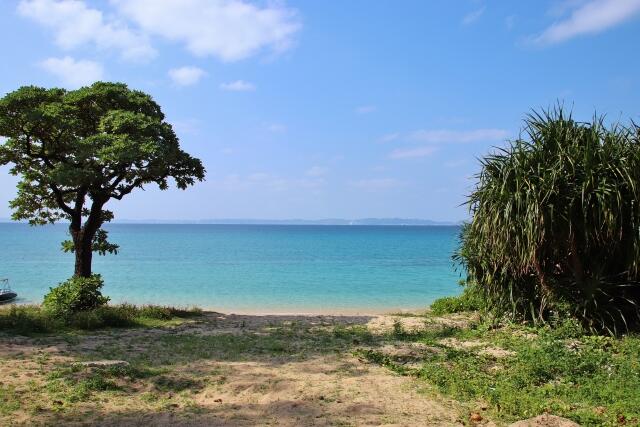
{"x":312,"y":313}
{"x":302,"y":312}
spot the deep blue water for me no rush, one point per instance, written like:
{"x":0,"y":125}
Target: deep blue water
{"x":266,"y":268}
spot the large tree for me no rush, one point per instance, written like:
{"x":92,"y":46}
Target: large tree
{"x":76,"y":150}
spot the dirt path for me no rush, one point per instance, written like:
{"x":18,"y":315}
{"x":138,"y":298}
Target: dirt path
{"x":219,"y":370}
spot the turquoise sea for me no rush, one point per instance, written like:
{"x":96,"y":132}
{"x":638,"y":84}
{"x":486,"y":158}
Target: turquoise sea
{"x":248,"y":268}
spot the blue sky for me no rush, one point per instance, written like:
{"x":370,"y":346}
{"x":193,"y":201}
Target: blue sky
{"x":330,"y":109}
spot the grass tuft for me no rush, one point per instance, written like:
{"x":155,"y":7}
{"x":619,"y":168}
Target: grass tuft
{"x":32,"y":319}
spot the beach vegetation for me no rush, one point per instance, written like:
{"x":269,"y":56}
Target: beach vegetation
{"x":518,"y":371}
{"x":554,"y":224}
{"x":34,"y":320}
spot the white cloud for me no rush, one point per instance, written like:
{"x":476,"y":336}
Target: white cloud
{"x":589,"y":18}
{"x":445,"y":135}
{"x":186,"y":76}
{"x":376,"y":184}
{"x":510,"y":22}
{"x":72,"y":73}
{"x":412,"y":153}
{"x":226,"y":29}
{"x":74,"y":24}
{"x":238,"y":86}
{"x":389,"y":137}
{"x":472,"y":17}
{"x":317,"y":171}
{"x":366,"y":109}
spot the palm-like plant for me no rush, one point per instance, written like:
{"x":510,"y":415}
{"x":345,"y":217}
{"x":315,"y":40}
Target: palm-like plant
{"x":556,"y":224}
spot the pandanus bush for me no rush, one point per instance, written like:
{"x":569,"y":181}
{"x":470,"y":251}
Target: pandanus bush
{"x":555,"y":223}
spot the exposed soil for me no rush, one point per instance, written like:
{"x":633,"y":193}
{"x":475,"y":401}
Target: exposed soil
{"x":224,"y":370}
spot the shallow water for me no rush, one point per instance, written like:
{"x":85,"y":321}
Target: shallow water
{"x":250,"y":268}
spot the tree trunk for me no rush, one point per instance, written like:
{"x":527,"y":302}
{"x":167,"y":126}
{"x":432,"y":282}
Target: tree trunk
{"x":83,"y":238}
{"x":84,"y":253}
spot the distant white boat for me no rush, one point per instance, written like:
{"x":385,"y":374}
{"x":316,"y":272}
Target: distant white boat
{"x":6,"y":294}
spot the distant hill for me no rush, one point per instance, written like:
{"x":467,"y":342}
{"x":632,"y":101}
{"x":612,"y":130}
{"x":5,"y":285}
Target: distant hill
{"x":329,"y":221}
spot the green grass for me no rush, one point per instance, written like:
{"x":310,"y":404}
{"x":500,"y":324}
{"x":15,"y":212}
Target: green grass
{"x":32,"y":319}
{"x":290,"y":342}
{"x":9,"y":399}
{"x":593,"y":380}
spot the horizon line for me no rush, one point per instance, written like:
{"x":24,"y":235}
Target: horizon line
{"x":286,"y":221}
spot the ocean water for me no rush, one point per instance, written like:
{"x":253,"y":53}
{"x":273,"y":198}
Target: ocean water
{"x":248,"y":268}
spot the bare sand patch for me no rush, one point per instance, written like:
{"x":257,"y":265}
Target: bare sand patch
{"x":289,"y":370}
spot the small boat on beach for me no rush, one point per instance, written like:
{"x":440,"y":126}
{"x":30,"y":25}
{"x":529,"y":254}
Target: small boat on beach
{"x":6,"y":294}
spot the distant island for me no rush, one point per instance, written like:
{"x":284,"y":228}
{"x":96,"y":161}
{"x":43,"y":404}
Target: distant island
{"x":329,"y":221}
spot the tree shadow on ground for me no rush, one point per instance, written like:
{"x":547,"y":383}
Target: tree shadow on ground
{"x":221,"y":370}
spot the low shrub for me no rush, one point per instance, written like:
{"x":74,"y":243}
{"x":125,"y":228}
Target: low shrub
{"x":118,"y":316}
{"x":469,"y":300}
{"x":156,"y":312}
{"x":75,"y":295}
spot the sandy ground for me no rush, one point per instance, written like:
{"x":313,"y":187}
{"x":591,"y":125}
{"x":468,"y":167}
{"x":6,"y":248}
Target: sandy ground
{"x":235,"y":386}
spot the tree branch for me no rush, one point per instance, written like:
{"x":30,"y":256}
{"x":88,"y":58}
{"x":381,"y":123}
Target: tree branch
{"x":59,"y":196}
{"x":127,"y":189}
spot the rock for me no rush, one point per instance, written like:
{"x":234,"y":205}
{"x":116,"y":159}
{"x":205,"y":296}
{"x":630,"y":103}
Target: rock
{"x":545,"y":420}
{"x":104,"y":363}
{"x":475,"y":417}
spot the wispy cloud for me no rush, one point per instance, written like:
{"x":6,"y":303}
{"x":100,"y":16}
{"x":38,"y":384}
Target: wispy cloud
{"x":316,"y":171}
{"x":472,"y":17}
{"x":72,"y":73}
{"x":276,"y":127}
{"x":456,"y":136}
{"x":186,"y":76}
{"x":262,"y":181}
{"x":229,"y":30}
{"x":412,"y":153}
{"x":376,"y":184}
{"x":510,"y":22}
{"x":389,"y":137}
{"x":74,"y":24}
{"x":238,"y":86}
{"x":589,"y":18}
{"x":366,"y":109}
